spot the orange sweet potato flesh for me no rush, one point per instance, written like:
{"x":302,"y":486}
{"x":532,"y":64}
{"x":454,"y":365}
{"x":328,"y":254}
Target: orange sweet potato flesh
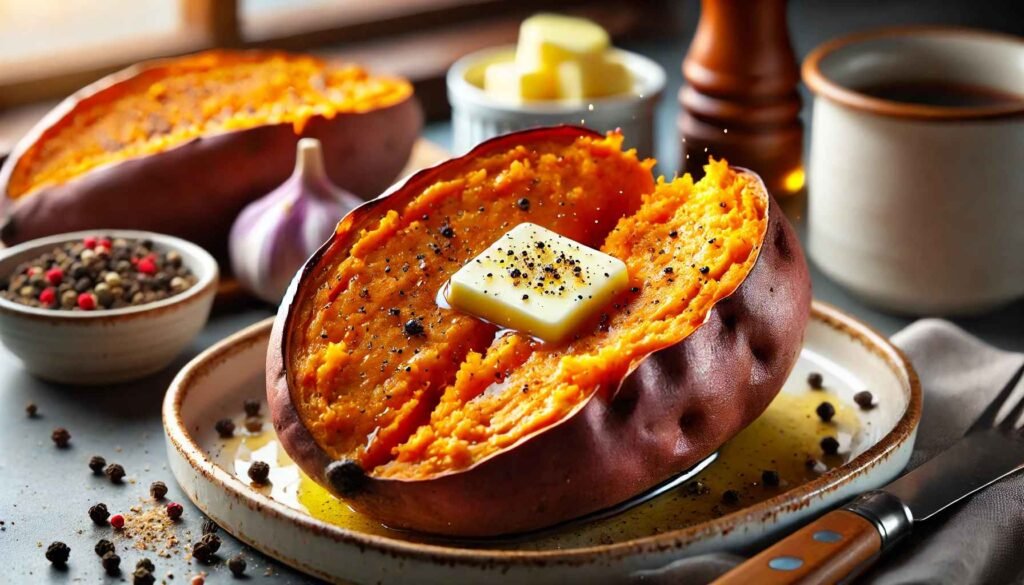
{"x":181,"y":145}
{"x":445,"y":426}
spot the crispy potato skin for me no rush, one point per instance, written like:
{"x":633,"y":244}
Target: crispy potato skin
{"x":668,"y":414}
{"x":196,"y":189}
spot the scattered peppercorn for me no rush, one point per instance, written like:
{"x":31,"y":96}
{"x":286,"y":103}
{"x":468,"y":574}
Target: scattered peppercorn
{"x":158,"y":490}
{"x":103,"y":546}
{"x":31,"y":409}
{"x":413,"y":328}
{"x":253,"y":424}
{"x":206,"y":547}
{"x":225,"y":428}
{"x":61,"y":437}
{"x":829,"y":446}
{"x":143,"y":577}
{"x":117,"y":521}
{"x":447,"y":231}
{"x":115,"y":472}
{"x":770,"y":477}
{"x":730,"y":497}
{"x":111,"y":563}
{"x":198,"y":580}
{"x":237,"y":565}
{"x":826,"y":411}
{"x":251,"y":407}
{"x":815,"y":381}
{"x":523,"y":204}
{"x":97,"y":463}
{"x":99,"y":514}
{"x":864,"y":399}
{"x":259,"y":471}
{"x":58,"y":553}
{"x":704,"y":269}
{"x":145,"y":563}
{"x":209,"y":526}
{"x":175,"y":510}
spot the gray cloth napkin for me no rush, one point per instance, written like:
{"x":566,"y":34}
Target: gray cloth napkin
{"x":979,"y":541}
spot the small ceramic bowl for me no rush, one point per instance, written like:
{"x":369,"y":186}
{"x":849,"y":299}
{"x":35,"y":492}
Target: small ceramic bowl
{"x":106,"y":346}
{"x":477,"y":116}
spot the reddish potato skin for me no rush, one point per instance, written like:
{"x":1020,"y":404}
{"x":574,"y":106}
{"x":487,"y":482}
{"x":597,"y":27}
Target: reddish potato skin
{"x":196,"y":189}
{"x":668,"y":414}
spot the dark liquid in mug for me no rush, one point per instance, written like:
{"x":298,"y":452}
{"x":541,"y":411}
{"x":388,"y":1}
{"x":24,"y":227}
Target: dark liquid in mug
{"x":940,"y":93}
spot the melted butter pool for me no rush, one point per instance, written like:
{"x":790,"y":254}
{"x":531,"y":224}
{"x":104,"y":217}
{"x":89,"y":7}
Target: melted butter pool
{"x":785,"y":439}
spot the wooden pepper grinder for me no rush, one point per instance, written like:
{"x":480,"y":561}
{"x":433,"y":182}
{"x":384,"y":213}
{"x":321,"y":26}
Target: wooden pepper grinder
{"x":740,"y":99}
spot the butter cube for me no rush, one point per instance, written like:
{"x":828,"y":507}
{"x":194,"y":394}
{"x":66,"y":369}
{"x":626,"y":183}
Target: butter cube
{"x":507,"y":82}
{"x":545,"y":40}
{"x":583,"y":79}
{"x":538,"y":282}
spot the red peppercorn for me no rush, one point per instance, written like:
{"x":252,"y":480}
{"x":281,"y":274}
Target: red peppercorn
{"x":49,"y":296}
{"x":86,"y":301}
{"x":106,"y":243}
{"x":117,"y":521}
{"x":54,"y":276}
{"x":89,"y":242}
{"x":175,"y":510}
{"x":147,"y":265}
{"x":33,"y":270}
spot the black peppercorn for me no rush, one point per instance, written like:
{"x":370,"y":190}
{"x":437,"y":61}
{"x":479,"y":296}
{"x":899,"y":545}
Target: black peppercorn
{"x":61,"y":437}
{"x":251,"y":407}
{"x":103,"y":546}
{"x":209,"y":526}
{"x":815,"y":381}
{"x":143,"y":577}
{"x":770,"y":477}
{"x":99,"y":514}
{"x":523,"y":204}
{"x":158,"y":490}
{"x":225,"y":428}
{"x":704,"y":270}
{"x":673,"y":234}
{"x":115,"y":472}
{"x":259,"y":472}
{"x":237,"y":565}
{"x":413,"y":328}
{"x":97,"y":463}
{"x":825,"y":411}
{"x":829,"y":446}
{"x":447,"y":231}
{"x":145,"y":564}
{"x":58,"y":553}
{"x":346,"y":477}
{"x":730,"y":497}
{"x":31,"y":409}
{"x":864,"y":400}
{"x":111,"y":563}
{"x":207,"y":546}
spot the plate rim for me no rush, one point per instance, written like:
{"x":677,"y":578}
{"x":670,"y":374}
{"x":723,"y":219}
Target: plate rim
{"x":177,"y":436}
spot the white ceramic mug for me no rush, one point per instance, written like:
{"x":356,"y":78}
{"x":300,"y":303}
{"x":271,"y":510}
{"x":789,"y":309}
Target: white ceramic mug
{"x":918,"y":208}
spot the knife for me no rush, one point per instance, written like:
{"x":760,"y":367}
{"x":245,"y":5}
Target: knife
{"x":843,"y":543}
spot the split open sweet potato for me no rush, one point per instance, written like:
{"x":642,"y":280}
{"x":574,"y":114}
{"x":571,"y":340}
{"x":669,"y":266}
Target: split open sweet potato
{"x":180,"y":146}
{"x":450,"y":426}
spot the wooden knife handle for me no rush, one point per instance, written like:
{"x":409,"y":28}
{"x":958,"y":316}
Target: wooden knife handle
{"x":834,"y":547}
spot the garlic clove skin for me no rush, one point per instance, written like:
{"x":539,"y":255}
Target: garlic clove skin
{"x":274,"y":235}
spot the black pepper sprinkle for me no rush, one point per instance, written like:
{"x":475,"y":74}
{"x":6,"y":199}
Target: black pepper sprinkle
{"x":447,"y":231}
{"x":225,"y":428}
{"x":143,"y":577}
{"x":115,"y":472}
{"x":259,"y":472}
{"x":730,"y":497}
{"x":103,"y":546}
{"x":413,"y":328}
{"x":668,"y":270}
{"x":696,"y":488}
{"x":829,"y":446}
{"x":634,"y":289}
{"x":864,"y":399}
{"x":815,"y":380}
{"x":99,"y":514}
{"x":825,"y":411}
{"x":770,"y":477}
{"x":673,"y":234}
{"x":158,"y":490}
{"x":97,"y":463}
{"x":31,"y":409}
{"x":145,"y":564}
{"x":236,"y":565}
{"x":58,"y":553}
{"x":111,"y":563}
{"x":523,"y":204}
{"x":704,"y":270}
{"x":251,"y":407}
{"x":61,"y":437}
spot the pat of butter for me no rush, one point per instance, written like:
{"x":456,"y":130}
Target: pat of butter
{"x":537,"y":282}
{"x":508,"y":82}
{"x":579,"y":80}
{"x":545,"y":40}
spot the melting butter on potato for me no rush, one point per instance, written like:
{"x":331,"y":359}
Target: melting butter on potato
{"x":538,"y":282}
{"x":558,"y":57}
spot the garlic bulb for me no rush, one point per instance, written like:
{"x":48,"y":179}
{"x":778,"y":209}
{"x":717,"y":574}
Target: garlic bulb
{"x":274,"y":235}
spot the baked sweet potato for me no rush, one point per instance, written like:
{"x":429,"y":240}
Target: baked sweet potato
{"x":180,"y":146}
{"x":465,"y":430}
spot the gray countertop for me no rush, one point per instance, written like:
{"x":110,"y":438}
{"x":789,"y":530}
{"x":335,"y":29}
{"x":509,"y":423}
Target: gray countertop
{"x":45,"y":492}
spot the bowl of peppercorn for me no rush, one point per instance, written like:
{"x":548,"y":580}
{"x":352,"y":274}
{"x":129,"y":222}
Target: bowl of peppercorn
{"x":103,"y":306}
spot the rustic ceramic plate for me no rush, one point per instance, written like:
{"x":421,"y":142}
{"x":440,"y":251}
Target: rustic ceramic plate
{"x":294,"y":521}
